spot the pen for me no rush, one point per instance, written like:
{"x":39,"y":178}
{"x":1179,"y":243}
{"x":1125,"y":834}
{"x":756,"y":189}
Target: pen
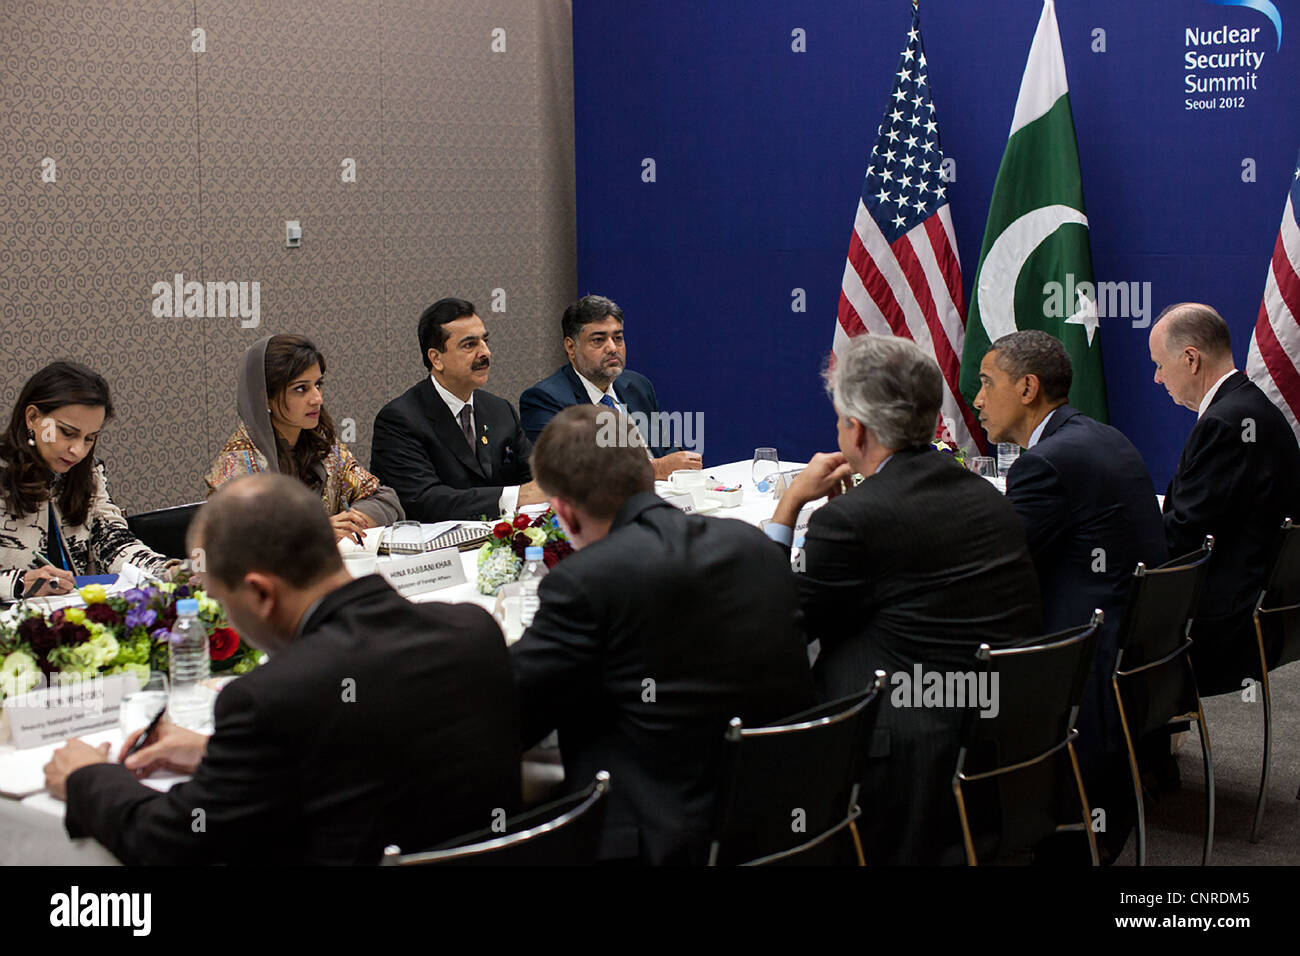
{"x":53,"y":582}
{"x":139,"y":742}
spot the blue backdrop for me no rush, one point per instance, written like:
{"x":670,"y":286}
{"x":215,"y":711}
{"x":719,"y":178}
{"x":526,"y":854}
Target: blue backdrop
{"x":759,"y":154}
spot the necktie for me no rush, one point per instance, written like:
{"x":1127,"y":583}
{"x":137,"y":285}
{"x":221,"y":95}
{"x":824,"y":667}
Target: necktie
{"x":607,"y":401}
{"x":467,"y":423}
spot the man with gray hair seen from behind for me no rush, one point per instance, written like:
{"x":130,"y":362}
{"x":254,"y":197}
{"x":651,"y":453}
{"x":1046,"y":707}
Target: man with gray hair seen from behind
{"x":1238,"y":477}
{"x":915,"y":567}
{"x":375,"y":722}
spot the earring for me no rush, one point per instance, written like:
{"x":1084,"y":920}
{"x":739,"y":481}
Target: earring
{"x":31,"y":438}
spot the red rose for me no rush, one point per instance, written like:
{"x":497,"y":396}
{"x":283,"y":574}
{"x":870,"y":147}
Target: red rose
{"x":502,"y":529}
{"x":554,"y":551}
{"x":70,"y":635}
{"x":223,"y":642}
{"x":103,"y":614}
{"x":518,"y":543}
{"x":522,"y":521}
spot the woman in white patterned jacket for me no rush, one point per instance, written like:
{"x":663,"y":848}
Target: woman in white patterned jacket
{"x":56,"y":519}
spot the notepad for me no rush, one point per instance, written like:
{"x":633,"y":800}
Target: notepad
{"x":22,"y":772}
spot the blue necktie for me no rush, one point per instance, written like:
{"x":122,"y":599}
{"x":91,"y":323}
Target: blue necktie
{"x":606,"y":400}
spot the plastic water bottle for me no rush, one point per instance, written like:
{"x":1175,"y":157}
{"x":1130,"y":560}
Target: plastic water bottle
{"x":534,"y":570}
{"x":190,"y":703}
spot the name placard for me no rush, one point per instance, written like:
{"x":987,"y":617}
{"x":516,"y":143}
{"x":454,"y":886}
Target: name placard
{"x":685,"y":502}
{"x":800,"y":522}
{"x":422,"y":573}
{"x":53,"y":714}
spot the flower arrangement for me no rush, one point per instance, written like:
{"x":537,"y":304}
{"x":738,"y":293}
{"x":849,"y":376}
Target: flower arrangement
{"x":110,"y":635}
{"x":501,"y":559}
{"x":947,"y":449}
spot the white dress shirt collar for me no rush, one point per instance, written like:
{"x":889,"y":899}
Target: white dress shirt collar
{"x":596,"y":394}
{"x":453,"y":403}
{"x":1209,"y":396}
{"x":1038,"y":432}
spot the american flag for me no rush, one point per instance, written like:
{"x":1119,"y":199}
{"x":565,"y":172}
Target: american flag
{"x":902,"y":276}
{"x":1273,"y":362}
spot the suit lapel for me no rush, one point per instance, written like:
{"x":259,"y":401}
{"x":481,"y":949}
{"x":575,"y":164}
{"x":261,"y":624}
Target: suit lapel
{"x":580,"y":395}
{"x":447,"y":430}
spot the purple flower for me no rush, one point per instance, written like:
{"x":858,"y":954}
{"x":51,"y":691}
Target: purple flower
{"x":134,"y":597}
{"x":140,"y":617}
{"x":162,"y":634}
{"x":182,"y":592}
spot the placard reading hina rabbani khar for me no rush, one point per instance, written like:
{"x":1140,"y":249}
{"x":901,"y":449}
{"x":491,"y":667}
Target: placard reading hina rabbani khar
{"x":422,"y":573}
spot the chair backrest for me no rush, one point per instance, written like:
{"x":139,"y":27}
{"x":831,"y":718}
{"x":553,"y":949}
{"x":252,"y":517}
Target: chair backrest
{"x":1153,"y":640}
{"x":164,"y":530}
{"x":1278,"y":607}
{"x":786,"y":788}
{"x":565,"y":832}
{"x":1036,"y":689}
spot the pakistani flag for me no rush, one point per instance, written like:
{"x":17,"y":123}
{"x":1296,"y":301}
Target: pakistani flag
{"x":1035,"y":270}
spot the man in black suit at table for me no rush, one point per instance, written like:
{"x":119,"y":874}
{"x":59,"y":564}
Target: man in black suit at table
{"x":449,"y":448}
{"x":918,"y":565}
{"x":658,"y":630}
{"x":1090,"y":513}
{"x":1237,"y":478}
{"x":597,"y":374}
{"x":376,"y":721}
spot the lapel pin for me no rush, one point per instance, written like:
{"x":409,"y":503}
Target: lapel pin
{"x":483,"y":439}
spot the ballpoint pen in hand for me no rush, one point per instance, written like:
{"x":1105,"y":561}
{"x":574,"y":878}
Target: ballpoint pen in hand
{"x":140,"y":741}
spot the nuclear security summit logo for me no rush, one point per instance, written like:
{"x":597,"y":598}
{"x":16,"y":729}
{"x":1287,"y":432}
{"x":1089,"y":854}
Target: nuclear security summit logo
{"x":1223,"y":61}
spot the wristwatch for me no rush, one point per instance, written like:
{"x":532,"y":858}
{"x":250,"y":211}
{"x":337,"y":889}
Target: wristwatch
{"x":20,"y":587}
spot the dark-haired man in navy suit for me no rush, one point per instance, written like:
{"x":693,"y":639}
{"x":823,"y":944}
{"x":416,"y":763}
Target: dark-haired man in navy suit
{"x":1090,"y":515}
{"x":593,"y":339}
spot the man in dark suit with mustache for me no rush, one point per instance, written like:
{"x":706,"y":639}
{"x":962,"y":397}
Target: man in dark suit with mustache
{"x":449,"y":448}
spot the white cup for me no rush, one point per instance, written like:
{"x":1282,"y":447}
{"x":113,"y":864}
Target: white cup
{"x":688,"y":479}
{"x":360,"y":563}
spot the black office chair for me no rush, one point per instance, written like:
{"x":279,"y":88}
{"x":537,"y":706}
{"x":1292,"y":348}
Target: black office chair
{"x":1153,"y":681}
{"x":1020,"y":748}
{"x":565,"y":832}
{"x":164,"y":530}
{"x":788,"y":788}
{"x":1277,"y":629}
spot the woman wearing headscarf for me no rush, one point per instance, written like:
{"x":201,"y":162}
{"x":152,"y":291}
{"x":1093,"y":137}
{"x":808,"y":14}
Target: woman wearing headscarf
{"x":57,"y":518}
{"x":284,"y":427}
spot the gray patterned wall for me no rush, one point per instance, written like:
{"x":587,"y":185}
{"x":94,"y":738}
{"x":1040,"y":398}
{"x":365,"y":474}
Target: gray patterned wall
{"x":167,"y":160}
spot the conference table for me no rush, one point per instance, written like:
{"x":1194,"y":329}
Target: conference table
{"x":31,"y":829}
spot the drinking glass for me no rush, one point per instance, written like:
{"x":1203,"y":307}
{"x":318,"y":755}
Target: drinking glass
{"x":141,"y":707}
{"x":405,"y":537}
{"x":1008,"y":452}
{"x":766,"y":465}
{"x":983,"y":465}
